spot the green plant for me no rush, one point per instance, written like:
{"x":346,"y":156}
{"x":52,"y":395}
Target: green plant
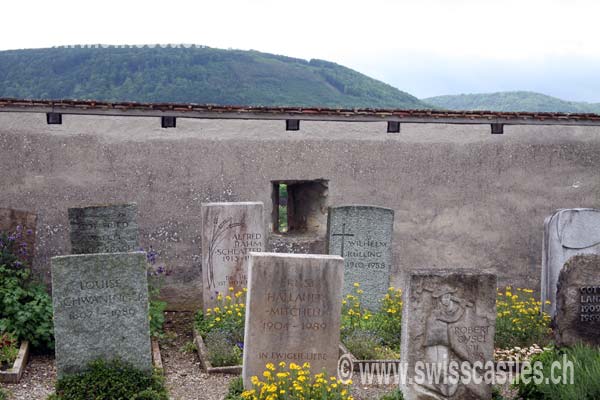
{"x":222,"y":328}
{"x":223,"y":350}
{"x":585,"y":374}
{"x":156,"y":314}
{"x":519,"y":322}
{"x":113,"y":380}
{"x":236,"y":388}
{"x":372,"y":335}
{"x":156,"y":309}
{"x":25,"y":307}
{"x":188,"y":348}
{"x":3,"y":394}
{"x":8,"y":350}
{"x":295,"y":382}
{"x":395,"y":395}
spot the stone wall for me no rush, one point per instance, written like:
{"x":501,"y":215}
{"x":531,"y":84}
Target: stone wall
{"x":462,"y":197}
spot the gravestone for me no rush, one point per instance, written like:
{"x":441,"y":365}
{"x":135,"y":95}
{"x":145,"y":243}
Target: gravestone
{"x":567,"y":233}
{"x":362,"y":235}
{"x":23,"y":224}
{"x":448,"y":317}
{"x":293,"y":312}
{"x":578,"y":302}
{"x":100,"y":306}
{"x":230,"y":231}
{"x":104,"y":229}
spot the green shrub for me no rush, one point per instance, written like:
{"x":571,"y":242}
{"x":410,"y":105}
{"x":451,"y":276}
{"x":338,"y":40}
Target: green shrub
{"x":3,"y":394}
{"x":519,"y":321}
{"x":236,"y":388}
{"x":395,"y":395}
{"x":222,"y":349}
{"x":156,"y":314}
{"x":114,"y":380}
{"x":372,"y":335}
{"x":9,"y":349}
{"x":586,"y":373}
{"x":25,"y":307}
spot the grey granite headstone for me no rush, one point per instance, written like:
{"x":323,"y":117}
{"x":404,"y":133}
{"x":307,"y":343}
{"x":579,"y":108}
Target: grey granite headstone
{"x":23,"y":224}
{"x":230,"y":231}
{"x":448,"y":317}
{"x":293,"y":312}
{"x":577,"y":318}
{"x":109,"y":228}
{"x":100,"y":310}
{"x":566,"y":233}
{"x":362,"y":235}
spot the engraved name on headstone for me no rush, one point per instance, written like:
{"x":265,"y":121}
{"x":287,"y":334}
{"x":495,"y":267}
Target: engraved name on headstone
{"x":109,"y":228}
{"x":230,"y":231}
{"x":293,"y":312}
{"x":577,"y":318}
{"x":100,"y":306}
{"x":448,"y":321}
{"x":362,"y":235}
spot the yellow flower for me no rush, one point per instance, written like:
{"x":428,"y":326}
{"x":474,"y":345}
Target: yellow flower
{"x":356,"y":284}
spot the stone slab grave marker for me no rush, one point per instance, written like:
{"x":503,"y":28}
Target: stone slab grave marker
{"x":108,"y":228}
{"x":100,"y":306}
{"x":567,"y":233}
{"x":362,"y":235}
{"x":448,"y":315}
{"x":577,"y":316}
{"x":12,"y":220}
{"x":293,"y":312}
{"x":230,"y":231}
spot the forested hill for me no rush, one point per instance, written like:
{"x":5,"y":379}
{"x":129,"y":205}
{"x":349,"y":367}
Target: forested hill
{"x":196,"y":75}
{"x":511,"y":101}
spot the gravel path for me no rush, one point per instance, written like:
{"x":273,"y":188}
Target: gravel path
{"x":37,"y":381}
{"x":184,"y":377}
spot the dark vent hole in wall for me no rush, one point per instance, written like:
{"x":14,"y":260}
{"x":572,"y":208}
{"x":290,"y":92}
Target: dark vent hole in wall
{"x":299,"y":207}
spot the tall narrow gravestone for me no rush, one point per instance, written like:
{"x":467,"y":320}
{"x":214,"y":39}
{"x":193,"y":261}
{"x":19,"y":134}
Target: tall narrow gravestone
{"x":104,"y":229}
{"x":362,"y":235}
{"x":577,"y":317}
{"x":566,"y":233}
{"x":23,"y":224}
{"x":448,"y":322}
{"x":100,"y":310}
{"x":293,"y":312}
{"x":230,"y":231}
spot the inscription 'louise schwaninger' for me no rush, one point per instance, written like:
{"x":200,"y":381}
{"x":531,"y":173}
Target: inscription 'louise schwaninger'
{"x":87,"y":306}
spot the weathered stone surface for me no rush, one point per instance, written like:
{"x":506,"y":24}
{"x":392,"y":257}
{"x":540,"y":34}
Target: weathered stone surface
{"x":22,"y":223}
{"x":566,"y":233}
{"x":104,"y":229}
{"x":100,"y":310}
{"x":577,"y":316}
{"x":448,"y":316}
{"x":230,"y":231}
{"x":293,"y":312}
{"x":362,"y":235}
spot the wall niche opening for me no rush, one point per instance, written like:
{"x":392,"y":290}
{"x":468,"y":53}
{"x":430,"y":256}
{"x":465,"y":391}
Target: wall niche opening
{"x":300,"y":207}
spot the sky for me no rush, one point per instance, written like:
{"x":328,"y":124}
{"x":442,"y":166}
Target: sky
{"x":424,"y":47}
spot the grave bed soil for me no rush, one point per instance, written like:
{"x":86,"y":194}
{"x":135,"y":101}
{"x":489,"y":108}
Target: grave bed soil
{"x":237,"y":369}
{"x":14,"y":374}
{"x":362,"y":365}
